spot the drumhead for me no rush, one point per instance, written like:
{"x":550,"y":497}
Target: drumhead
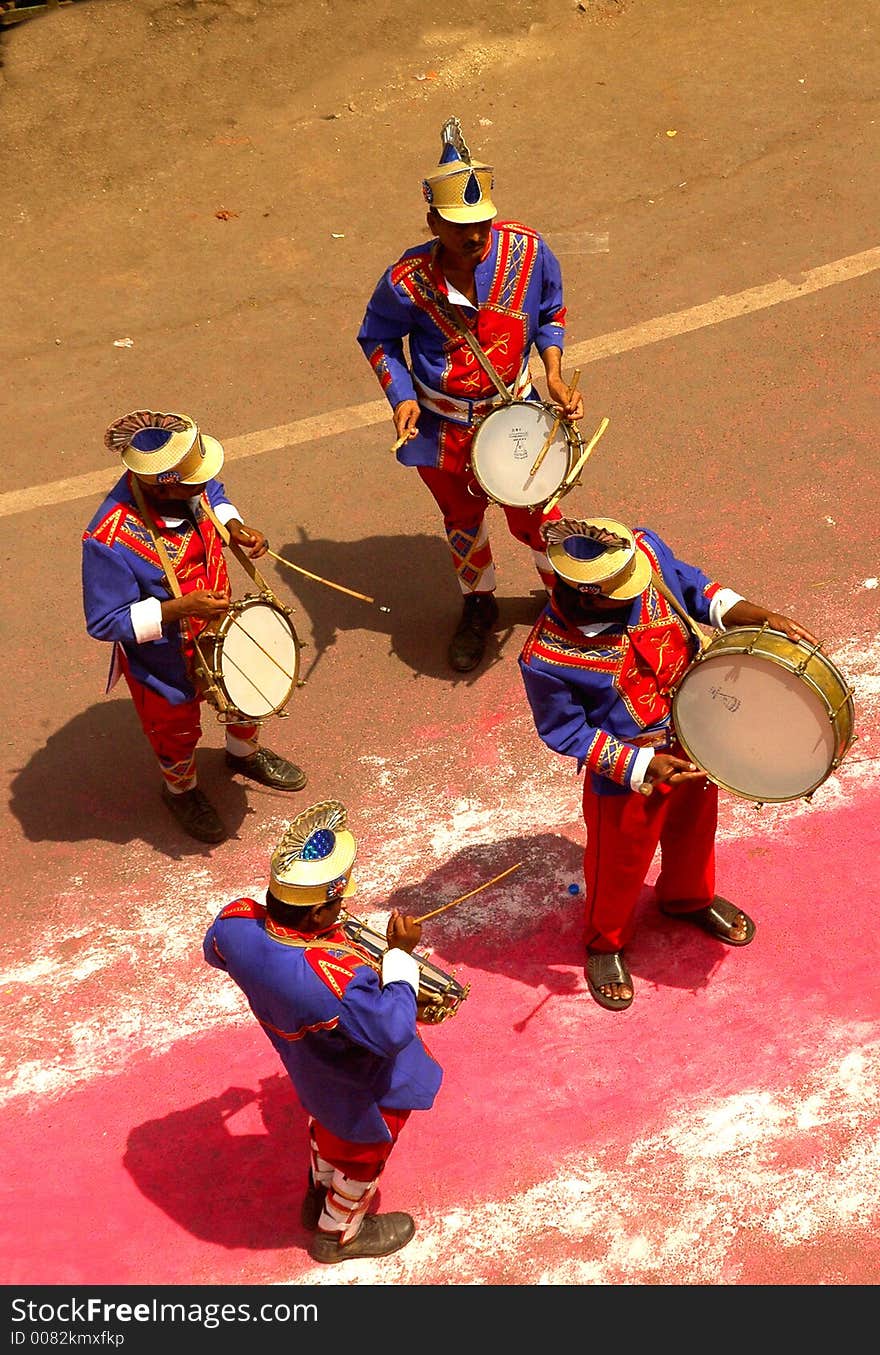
{"x":506,"y":445}
{"x":758,"y":727}
{"x":258,"y":661}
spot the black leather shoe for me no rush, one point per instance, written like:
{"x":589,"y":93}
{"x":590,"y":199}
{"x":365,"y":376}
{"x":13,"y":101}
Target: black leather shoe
{"x":379,"y":1235}
{"x":195,"y":814}
{"x":312,"y":1205}
{"x":269,"y":769}
{"x":468,"y":644}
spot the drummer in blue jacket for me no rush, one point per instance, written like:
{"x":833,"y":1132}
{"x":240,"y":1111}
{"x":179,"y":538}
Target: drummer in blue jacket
{"x":600,"y":668}
{"x":499,"y":283}
{"x":345,"y":1032}
{"x":170,"y":476}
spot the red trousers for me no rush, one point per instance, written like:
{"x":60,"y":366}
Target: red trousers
{"x":623,"y":833}
{"x":463,"y":505}
{"x":173,"y":732}
{"x":360,"y":1161}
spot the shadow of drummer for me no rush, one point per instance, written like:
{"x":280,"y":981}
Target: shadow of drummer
{"x":390,"y":601}
{"x":528,"y":927}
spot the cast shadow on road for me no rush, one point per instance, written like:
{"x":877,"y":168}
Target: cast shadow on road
{"x":528,"y":926}
{"x":96,"y":778}
{"x":410,"y":575}
{"x":177,"y":1162}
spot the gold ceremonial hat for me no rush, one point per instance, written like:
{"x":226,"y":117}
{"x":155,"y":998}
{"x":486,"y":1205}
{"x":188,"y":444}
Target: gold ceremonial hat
{"x":312,"y":863}
{"x":460,"y":189}
{"x":597,"y":555}
{"x":165,"y":448}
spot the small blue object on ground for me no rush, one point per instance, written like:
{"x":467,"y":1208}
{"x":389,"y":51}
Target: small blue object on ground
{"x":574,"y":889}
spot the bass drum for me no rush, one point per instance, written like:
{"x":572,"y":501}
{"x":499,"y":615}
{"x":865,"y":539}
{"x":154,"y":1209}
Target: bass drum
{"x":763,"y":716}
{"x":253,"y":658}
{"x":507,"y":444}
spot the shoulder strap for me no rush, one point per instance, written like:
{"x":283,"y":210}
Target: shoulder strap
{"x":473,"y":343}
{"x":157,"y":540}
{"x":244,"y":560}
{"x":702,"y":640}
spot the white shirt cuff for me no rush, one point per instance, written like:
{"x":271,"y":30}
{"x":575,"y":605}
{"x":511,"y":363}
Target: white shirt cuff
{"x":225,"y":512}
{"x":146,"y":620}
{"x":399,"y":966}
{"x":722,"y":602}
{"x":640,"y":767}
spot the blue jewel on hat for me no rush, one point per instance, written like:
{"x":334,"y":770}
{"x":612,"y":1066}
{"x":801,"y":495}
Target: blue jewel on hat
{"x":319,"y":845}
{"x":473,"y":193}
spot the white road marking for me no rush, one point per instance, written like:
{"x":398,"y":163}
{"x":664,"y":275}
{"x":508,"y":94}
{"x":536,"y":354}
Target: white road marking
{"x":377,"y":411}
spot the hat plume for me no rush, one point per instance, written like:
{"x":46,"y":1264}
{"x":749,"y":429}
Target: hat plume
{"x":453,"y":144}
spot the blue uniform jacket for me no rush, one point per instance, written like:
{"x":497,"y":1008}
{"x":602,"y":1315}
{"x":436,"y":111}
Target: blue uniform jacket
{"x":349,"y":1045}
{"x":120,"y":567}
{"x":519,"y":289}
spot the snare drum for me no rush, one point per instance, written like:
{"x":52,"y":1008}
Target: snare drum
{"x":439,"y":995}
{"x":253,"y":660}
{"x":765,"y":717}
{"x":508,"y":442}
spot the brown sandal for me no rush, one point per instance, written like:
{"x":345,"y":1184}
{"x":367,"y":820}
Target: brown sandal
{"x":718,"y":918}
{"x":602,"y":969}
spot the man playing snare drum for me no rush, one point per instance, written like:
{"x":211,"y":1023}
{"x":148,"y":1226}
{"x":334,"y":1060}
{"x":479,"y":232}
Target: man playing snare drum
{"x":346,"y":1034}
{"x":600,"y":668}
{"x":502,"y":284}
{"x":159,"y":507}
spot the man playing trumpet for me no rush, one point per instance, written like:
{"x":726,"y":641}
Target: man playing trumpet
{"x":154,"y":578}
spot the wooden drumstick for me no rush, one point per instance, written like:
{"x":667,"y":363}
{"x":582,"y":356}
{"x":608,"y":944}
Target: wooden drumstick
{"x":404,"y":437}
{"x":570,"y":479}
{"x":555,"y":429}
{"x":317,"y":577}
{"x":462,"y":897}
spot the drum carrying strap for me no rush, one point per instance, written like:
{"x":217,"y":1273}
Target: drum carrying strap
{"x":473,"y":344}
{"x":244,"y":560}
{"x":173,"y":584}
{"x":702,"y":640}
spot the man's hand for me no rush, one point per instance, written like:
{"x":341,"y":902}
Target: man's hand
{"x":406,"y":418}
{"x":745,"y":613}
{"x":201,"y":603}
{"x":570,"y":408}
{"x":403,"y":932}
{"x":249,"y":538}
{"x":666,"y":770}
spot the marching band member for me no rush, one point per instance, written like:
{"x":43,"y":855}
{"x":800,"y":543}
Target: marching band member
{"x":346,"y":1036}
{"x":600,"y":667}
{"x":499,"y":281}
{"x":158,"y":508}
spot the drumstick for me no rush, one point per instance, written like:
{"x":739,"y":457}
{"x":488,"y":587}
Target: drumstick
{"x":404,"y":437}
{"x":338,"y":586}
{"x":570,"y":479}
{"x":462,"y":897}
{"x":555,"y":429}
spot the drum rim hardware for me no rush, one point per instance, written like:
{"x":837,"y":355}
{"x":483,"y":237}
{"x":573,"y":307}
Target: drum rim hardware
{"x":746,"y":640}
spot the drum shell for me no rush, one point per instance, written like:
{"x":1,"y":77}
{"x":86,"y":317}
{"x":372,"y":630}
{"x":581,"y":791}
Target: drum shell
{"x":439,"y":995}
{"x":824,"y":687}
{"x":502,"y":455}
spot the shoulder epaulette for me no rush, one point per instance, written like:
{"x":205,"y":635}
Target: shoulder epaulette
{"x":517,"y":228}
{"x":108,"y":528}
{"x":409,"y":263}
{"x":244,"y":908}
